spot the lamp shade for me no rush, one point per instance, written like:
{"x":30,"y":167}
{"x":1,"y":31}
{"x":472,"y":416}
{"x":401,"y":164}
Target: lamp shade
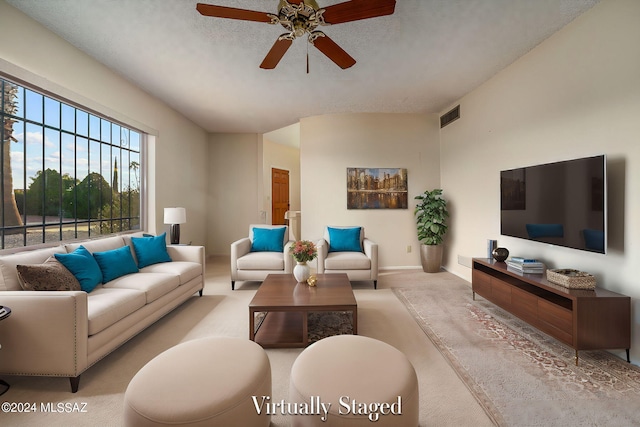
{"x":175,"y":215}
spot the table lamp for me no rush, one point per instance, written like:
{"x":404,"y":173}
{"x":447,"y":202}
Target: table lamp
{"x":175,"y":217}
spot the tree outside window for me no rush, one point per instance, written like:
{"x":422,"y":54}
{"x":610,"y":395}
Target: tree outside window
{"x":66,"y":173}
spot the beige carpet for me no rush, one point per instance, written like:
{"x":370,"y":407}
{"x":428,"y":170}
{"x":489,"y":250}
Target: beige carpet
{"x":522,"y":376}
{"x":444,"y":398}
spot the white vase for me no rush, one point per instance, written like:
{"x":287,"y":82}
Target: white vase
{"x":301,"y":271}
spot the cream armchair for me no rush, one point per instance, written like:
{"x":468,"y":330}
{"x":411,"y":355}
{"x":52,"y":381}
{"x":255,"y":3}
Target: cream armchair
{"x":351,"y":253}
{"x":265,"y":251}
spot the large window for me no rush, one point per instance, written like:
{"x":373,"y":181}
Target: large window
{"x":66,"y":173}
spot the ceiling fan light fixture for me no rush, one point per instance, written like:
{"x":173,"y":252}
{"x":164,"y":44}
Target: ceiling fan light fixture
{"x":311,"y":3}
{"x":300,"y":19}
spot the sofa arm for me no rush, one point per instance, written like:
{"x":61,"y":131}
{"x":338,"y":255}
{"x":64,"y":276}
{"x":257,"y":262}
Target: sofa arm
{"x":323,"y":251}
{"x":239,"y":248}
{"x":288,"y":257}
{"x":46,"y":334}
{"x":371,"y":251}
{"x":188,"y":253}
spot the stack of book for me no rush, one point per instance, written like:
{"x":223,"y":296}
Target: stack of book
{"x":525,"y":265}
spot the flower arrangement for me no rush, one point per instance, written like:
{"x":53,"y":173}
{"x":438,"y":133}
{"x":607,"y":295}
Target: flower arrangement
{"x":303,"y":251}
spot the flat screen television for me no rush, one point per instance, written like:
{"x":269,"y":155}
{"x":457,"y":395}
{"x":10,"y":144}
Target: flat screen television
{"x":562,"y":203}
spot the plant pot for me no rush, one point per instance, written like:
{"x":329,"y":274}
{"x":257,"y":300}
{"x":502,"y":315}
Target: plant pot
{"x":301,"y":271}
{"x":431,"y":258}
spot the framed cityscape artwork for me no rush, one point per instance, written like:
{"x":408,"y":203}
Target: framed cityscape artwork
{"x":377,"y":188}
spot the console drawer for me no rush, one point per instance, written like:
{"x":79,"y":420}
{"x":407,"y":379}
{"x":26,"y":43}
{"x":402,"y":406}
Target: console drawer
{"x":501,"y":293}
{"x":481,"y":283}
{"x":556,"y":321}
{"x":524,"y":305}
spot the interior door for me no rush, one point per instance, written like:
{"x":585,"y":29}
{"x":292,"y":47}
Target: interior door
{"x":279,"y":195}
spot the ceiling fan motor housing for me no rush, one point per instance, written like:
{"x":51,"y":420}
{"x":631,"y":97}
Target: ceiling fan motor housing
{"x":300,"y":19}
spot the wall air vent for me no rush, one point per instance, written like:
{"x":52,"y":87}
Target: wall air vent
{"x":450,"y":116}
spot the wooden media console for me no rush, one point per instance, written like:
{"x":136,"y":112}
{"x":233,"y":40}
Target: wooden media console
{"x":583,"y":319}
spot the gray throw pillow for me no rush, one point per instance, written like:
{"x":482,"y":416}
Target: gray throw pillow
{"x":48,"y":276}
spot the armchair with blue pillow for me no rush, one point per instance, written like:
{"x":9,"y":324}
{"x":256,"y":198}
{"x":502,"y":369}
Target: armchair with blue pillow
{"x":265,"y":251}
{"x":347,"y":250}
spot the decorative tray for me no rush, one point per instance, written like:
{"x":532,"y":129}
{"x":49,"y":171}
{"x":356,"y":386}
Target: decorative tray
{"x":572,"y":279}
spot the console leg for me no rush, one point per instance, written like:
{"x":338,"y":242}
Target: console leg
{"x":75,"y":382}
{"x":628,"y":359}
{"x":576,"y":357}
{"x":473,"y":295}
{"x":6,"y":386}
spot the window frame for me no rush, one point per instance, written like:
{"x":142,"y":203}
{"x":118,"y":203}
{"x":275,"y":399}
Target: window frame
{"x":123,"y":221}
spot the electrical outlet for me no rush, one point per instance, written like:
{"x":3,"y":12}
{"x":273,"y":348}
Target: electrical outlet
{"x":409,"y":249}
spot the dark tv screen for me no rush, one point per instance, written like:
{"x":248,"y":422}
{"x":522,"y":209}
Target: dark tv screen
{"x":561,"y":203}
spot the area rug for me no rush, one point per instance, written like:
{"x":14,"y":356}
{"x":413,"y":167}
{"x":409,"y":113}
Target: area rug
{"x":519,"y":375}
{"x":322,"y":324}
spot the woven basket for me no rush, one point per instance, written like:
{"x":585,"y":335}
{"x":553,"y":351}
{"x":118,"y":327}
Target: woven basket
{"x":572,"y":279}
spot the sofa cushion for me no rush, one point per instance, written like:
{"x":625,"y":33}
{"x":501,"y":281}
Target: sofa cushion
{"x":9,"y":274}
{"x":261,"y":261}
{"x":184,"y":269}
{"x":97,"y":245}
{"x":107,"y":306}
{"x":49,"y":276}
{"x":347,"y":261}
{"x":150,"y":250}
{"x":153,"y":285}
{"x":344,"y":239}
{"x":115,"y":263}
{"x":83,"y":266}
{"x":268,"y":239}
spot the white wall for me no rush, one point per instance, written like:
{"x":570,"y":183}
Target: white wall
{"x":239,"y":183}
{"x":235,"y":189}
{"x":575,"y":95}
{"x":30,"y":52}
{"x":332,"y":143}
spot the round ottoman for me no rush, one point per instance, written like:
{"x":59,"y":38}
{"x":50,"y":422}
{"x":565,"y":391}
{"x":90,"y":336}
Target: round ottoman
{"x":204,"y":382}
{"x":362,"y":379}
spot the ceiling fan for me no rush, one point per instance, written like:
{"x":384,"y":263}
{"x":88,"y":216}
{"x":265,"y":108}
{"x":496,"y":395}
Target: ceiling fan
{"x":300,"y":17}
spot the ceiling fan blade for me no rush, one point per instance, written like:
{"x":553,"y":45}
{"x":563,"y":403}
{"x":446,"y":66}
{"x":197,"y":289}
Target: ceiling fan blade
{"x":232,"y":13}
{"x":334,"y":52}
{"x":355,"y":10}
{"x":276,"y":53}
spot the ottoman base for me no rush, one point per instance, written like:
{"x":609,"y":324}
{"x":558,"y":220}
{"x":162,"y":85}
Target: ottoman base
{"x":204,"y":382}
{"x":351,"y":380}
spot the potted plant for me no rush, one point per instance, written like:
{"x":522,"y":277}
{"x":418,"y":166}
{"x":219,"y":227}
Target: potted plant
{"x":431,"y":214}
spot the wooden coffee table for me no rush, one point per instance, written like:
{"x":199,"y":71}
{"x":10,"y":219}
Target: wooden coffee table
{"x":287,"y":304}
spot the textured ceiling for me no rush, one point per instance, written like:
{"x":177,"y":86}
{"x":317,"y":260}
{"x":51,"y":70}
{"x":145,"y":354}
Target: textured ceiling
{"x":421,"y":59}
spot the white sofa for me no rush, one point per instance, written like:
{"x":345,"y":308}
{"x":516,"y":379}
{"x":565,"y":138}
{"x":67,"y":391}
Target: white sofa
{"x":63,"y":333}
{"x":249,"y":264}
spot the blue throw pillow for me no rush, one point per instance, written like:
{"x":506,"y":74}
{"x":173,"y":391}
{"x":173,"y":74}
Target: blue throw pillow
{"x":150,"y":250}
{"x":344,"y":239}
{"x":83,"y":266}
{"x":268,"y":239}
{"x":115,"y":263}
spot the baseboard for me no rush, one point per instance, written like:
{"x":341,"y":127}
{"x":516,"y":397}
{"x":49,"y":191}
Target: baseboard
{"x":400,"y":267}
